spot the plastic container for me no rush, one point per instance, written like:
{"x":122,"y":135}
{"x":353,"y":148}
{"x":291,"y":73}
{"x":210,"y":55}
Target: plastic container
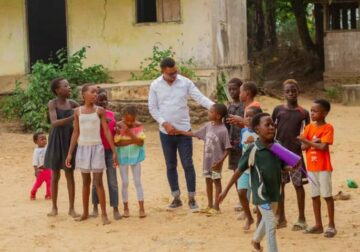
{"x":288,"y":157}
{"x":351,"y":183}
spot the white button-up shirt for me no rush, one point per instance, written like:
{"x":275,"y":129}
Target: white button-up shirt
{"x":168,"y":103}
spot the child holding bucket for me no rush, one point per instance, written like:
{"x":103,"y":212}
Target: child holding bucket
{"x":290,"y":119}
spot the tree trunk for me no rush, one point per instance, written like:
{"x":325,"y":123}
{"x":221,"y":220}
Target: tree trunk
{"x":298,"y":7}
{"x":250,"y":25}
{"x":259,"y":25}
{"x":353,"y":18}
{"x":345,"y":19}
{"x":319,"y":27}
{"x":270,"y":10}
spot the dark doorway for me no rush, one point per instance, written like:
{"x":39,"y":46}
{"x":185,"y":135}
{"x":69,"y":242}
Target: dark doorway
{"x":146,"y":11}
{"x":46,"y":28}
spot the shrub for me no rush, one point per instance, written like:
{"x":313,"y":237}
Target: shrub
{"x":334,"y":93}
{"x":152,"y":70}
{"x":221,"y":88}
{"x":30,"y":104}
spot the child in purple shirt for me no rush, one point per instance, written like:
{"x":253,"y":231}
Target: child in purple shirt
{"x":217,"y":145}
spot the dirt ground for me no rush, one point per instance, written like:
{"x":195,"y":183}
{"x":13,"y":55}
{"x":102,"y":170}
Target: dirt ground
{"x":25,"y":226}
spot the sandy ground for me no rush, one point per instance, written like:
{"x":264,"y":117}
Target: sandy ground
{"x":25,"y":226}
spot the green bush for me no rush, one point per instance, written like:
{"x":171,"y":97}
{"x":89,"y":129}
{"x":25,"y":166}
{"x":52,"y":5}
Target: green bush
{"x":30,"y":104}
{"x":221,"y":88}
{"x":334,"y":93}
{"x":152,"y":71}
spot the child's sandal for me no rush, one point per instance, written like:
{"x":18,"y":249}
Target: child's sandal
{"x":330,"y":232}
{"x":126,"y":214}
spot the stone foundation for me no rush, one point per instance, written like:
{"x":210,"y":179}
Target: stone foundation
{"x":136,"y":93}
{"x":198,"y":114}
{"x":351,"y":94}
{"x":337,"y":80}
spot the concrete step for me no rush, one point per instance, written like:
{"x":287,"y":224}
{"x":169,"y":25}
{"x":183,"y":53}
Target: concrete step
{"x":351,"y":94}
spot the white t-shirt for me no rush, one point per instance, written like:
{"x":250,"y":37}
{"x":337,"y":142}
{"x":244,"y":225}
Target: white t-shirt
{"x":38,"y":157}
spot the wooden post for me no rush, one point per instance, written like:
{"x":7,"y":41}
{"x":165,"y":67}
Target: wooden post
{"x":345,"y":17}
{"x":326,"y":17}
{"x":353,"y":18}
{"x":335,"y":17}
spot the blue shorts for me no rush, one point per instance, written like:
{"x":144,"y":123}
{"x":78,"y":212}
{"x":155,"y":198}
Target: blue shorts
{"x":243,"y":182}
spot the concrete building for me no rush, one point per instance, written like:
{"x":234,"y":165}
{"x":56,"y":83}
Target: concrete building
{"x":121,"y":33}
{"x":341,"y":21}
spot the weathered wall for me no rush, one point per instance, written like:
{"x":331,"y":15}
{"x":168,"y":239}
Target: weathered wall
{"x":12,"y":38}
{"x":212,"y":32}
{"x":118,"y":43}
{"x":342,"y":53}
{"x":230,"y":33}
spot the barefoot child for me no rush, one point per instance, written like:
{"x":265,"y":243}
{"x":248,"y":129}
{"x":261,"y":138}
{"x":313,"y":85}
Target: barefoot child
{"x":235,"y":108}
{"x":247,"y":137}
{"x":90,"y":154}
{"x":131,"y":152}
{"x":217,"y":144}
{"x":290,"y":120}
{"x":265,"y":178}
{"x":61,"y":110}
{"x":42,"y":174}
{"x":315,"y":140}
{"x":102,"y":101}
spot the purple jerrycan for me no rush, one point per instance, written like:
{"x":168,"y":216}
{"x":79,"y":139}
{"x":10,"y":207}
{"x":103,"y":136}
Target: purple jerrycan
{"x":288,"y":157}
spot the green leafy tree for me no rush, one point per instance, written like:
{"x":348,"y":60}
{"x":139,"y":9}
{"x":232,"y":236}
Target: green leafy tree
{"x":30,"y":104}
{"x":150,"y":69}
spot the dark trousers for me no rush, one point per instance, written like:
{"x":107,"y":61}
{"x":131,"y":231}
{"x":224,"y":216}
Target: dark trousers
{"x":182,"y":144}
{"x":112,"y":182}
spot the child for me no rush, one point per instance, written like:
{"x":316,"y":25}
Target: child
{"x":61,"y":117}
{"x":42,"y":174}
{"x":235,"y":108}
{"x":290,"y":120}
{"x":316,"y":140}
{"x":265,"y":178}
{"x":90,"y":154}
{"x":248,"y":92}
{"x":247,"y":137}
{"x":102,"y":101}
{"x":131,"y":152}
{"x":217,"y":145}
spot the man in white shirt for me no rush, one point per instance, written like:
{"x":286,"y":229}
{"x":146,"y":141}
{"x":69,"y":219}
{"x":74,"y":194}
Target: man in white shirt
{"x":168,"y":100}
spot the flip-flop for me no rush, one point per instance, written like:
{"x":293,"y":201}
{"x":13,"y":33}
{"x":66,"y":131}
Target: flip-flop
{"x":261,"y":249}
{"x":212,"y":212}
{"x":313,"y":230}
{"x":281,"y":225}
{"x":341,"y":196}
{"x":330,"y":232}
{"x":298,"y":226}
{"x":205,"y":210}
{"x":238,"y":208}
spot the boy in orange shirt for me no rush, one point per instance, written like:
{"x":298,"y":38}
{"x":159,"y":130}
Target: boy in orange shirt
{"x":316,"y":140}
